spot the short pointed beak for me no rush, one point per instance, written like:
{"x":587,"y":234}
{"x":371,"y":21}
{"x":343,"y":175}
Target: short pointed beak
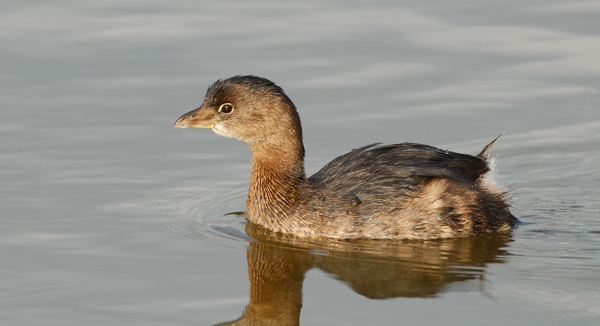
{"x":197,"y":118}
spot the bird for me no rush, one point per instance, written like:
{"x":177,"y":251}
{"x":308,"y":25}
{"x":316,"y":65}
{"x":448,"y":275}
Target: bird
{"x":382,"y":192}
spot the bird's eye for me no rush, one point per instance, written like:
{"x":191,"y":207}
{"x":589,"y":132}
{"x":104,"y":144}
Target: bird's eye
{"x":226,"y":108}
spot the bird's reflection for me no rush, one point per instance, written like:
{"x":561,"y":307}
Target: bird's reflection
{"x":375,"y":269}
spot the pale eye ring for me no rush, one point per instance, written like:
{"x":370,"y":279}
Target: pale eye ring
{"x":226,"y":108}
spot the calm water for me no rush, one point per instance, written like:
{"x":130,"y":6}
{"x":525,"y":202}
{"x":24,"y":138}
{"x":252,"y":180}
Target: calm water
{"x":109,"y":215}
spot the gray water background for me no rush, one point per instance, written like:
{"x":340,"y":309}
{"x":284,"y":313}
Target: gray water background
{"x":109,"y":215}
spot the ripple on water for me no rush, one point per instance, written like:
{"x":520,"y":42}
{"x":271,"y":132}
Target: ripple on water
{"x":214,"y":215}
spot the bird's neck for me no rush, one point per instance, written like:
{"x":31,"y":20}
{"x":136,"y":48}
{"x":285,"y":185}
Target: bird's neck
{"x":276,"y":181}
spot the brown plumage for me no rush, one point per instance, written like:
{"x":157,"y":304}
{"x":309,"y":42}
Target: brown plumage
{"x":401,"y":191}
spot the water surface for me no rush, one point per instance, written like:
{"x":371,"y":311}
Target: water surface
{"x":109,"y":215}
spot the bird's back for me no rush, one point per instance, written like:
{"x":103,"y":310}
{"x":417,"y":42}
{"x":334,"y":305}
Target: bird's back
{"x":405,"y":191}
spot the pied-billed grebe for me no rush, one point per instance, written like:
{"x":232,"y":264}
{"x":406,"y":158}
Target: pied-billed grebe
{"x":402,"y":191}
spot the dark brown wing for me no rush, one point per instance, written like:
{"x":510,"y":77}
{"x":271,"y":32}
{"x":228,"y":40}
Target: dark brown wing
{"x":404,"y":164}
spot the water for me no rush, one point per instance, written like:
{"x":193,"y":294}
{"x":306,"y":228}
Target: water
{"x":109,"y":215}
